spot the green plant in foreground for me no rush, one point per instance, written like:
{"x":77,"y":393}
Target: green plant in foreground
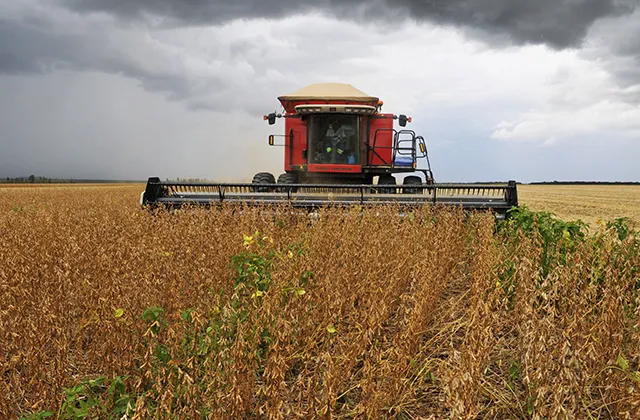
{"x":236,"y":331}
{"x":98,"y":397}
{"x":557,"y":237}
{"x":621,"y":227}
{"x":37,"y":415}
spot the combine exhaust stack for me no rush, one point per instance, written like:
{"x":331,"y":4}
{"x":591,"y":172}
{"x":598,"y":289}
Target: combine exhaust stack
{"x":489,"y":197}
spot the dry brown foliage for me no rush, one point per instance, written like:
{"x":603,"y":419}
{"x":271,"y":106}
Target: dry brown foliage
{"x":349,"y":314}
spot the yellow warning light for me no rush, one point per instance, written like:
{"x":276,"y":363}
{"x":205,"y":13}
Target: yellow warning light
{"x":264,"y":117}
{"x":410,"y":119}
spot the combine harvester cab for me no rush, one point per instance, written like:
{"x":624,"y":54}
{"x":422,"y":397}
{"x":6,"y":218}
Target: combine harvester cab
{"x":337,"y":143}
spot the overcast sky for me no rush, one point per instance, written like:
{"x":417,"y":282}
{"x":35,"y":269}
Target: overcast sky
{"x":501,"y":89}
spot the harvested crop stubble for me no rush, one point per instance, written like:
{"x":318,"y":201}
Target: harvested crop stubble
{"x":588,"y":203}
{"x":249,"y":313}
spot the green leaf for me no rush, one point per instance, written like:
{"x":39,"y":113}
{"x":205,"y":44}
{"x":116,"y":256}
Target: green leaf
{"x":99,"y":381}
{"x":622,"y":362}
{"x":37,"y":415}
{"x":163,"y":354}
{"x":152,"y":313}
{"x":186,"y":315}
{"x":118,"y":313}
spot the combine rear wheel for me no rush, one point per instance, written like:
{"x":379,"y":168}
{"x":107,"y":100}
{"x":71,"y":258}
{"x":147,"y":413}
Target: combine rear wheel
{"x":387,"y":180}
{"x":287,"y":179}
{"x":412,"y":180}
{"x":263,"y":178}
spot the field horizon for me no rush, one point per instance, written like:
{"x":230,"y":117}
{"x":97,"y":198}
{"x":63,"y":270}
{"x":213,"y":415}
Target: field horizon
{"x":587,"y":202}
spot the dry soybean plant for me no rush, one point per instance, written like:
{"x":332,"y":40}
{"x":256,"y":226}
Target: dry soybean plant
{"x":108,"y":310}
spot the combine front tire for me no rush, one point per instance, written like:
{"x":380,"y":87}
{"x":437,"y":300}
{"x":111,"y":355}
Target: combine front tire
{"x":287,"y":179}
{"x":387,"y":180}
{"x":412,"y":180}
{"x":263,"y":178}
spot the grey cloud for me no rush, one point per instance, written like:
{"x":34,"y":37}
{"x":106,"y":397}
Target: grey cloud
{"x":37,"y":44}
{"x":27,"y":49}
{"x":616,"y":43}
{"x":558,"y":23}
{"x":32,"y":46}
{"x":627,"y":73}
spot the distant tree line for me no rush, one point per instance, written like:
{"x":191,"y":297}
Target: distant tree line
{"x":189,"y":180}
{"x":585,"y":183}
{"x":33,"y":179}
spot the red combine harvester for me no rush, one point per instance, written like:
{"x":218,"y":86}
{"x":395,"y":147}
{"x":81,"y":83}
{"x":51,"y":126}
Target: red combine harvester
{"x":336,"y":143}
{"x":335,"y":133}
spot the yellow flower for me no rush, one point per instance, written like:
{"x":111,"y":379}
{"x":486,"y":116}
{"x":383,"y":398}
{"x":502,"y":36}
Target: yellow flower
{"x":248,"y":240}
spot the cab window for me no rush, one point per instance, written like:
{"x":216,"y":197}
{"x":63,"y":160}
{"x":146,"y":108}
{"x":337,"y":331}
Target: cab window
{"x":333,"y":138}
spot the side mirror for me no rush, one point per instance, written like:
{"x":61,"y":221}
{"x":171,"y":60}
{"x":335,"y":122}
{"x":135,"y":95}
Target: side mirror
{"x":402,"y":120}
{"x":272,"y":140}
{"x":422,"y":148}
{"x":271,"y":118}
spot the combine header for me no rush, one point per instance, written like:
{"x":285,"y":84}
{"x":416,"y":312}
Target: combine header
{"x":336,"y":143}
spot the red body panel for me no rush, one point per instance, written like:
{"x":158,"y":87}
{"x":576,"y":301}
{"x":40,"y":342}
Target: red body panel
{"x":296,"y":144}
{"x":334,"y":167}
{"x":383,"y":141}
{"x":293,"y":154}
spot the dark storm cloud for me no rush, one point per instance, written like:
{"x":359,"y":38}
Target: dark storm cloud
{"x":27,"y":49}
{"x":627,"y":48}
{"x":616,"y":43}
{"x":31,"y":46}
{"x":558,"y":23}
{"x":39,"y":44}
